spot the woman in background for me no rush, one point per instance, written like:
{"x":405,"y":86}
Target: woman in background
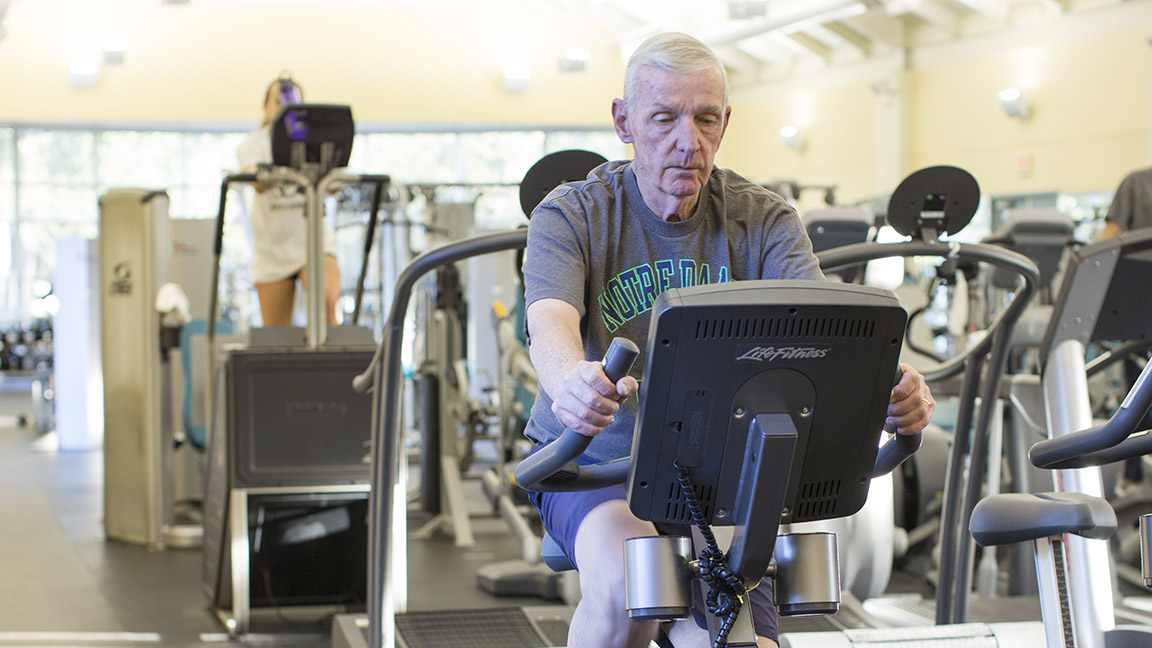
{"x":279,"y":225}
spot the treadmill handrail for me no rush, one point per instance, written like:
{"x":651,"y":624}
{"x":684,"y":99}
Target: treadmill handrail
{"x":1106,"y":443}
{"x":422,"y":265}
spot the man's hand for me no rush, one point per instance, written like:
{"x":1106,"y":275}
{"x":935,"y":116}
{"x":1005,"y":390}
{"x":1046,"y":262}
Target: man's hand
{"x":587,"y":400}
{"x":911,"y":407}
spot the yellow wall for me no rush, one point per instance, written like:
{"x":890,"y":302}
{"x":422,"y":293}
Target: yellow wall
{"x":1087,"y":76}
{"x":395,"y":64}
{"x":838,"y":127}
{"x":1089,"y":123}
{"x":1090,"y":93}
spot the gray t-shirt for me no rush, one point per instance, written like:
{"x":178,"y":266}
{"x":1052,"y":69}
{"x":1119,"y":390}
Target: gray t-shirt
{"x":596,"y":245}
{"x":1131,"y":207}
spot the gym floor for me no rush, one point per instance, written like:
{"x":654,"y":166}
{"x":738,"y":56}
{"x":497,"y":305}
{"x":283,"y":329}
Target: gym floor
{"x":63,"y":584}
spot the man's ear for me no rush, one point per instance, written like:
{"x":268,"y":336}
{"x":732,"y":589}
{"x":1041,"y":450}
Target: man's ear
{"x":620,"y":121}
{"x":727,"y":120}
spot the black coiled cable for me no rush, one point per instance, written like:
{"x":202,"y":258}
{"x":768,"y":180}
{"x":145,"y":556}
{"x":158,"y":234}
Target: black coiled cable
{"x":726,"y":590}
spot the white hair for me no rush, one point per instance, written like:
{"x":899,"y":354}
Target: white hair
{"x":674,"y":52}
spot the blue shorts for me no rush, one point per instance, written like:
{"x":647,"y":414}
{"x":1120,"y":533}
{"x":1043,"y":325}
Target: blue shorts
{"x":562,"y":513}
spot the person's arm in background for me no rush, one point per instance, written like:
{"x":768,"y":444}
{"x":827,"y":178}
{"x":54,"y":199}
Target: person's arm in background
{"x":260,"y":187}
{"x":583,"y":398}
{"x":248,"y":156}
{"x":1119,"y":216}
{"x":1110,"y":230}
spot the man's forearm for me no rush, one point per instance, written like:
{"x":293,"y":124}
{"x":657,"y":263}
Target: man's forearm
{"x":556,"y":346}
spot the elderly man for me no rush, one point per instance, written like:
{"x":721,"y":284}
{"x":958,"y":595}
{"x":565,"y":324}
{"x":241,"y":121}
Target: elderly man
{"x":599,"y":251}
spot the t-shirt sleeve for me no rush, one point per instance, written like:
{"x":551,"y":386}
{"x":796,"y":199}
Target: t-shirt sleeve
{"x":1123,"y":204}
{"x":788,"y":250}
{"x":556,"y":259}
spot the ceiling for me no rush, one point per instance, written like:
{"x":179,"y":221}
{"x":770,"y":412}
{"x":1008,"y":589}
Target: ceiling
{"x":761,"y":39}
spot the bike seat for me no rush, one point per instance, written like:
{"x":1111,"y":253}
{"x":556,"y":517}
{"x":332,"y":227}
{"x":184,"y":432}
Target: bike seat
{"x":1017,"y":517}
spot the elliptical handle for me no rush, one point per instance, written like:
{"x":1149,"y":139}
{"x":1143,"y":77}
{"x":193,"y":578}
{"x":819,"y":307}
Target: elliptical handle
{"x":557,"y":459}
{"x":1104,"y":443}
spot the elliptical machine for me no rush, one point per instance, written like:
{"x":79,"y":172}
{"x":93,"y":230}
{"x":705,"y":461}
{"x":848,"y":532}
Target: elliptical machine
{"x":1095,"y":303}
{"x":928,"y":204}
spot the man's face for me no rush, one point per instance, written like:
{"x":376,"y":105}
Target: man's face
{"x":675,"y":127}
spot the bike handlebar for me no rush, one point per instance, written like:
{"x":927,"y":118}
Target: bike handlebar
{"x":1106,"y":443}
{"x":554,"y":467}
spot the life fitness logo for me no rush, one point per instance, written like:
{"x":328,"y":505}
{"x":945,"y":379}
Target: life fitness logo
{"x":750,"y":353}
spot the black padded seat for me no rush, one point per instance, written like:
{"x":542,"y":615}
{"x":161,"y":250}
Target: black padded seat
{"x":1017,"y":517}
{"x":833,"y":227}
{"x":1042,"y":235}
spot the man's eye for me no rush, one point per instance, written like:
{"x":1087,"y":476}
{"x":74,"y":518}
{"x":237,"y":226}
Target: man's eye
{"x":662,"y":118}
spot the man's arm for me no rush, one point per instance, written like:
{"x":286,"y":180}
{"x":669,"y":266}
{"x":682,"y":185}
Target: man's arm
{"x":583,"y":398}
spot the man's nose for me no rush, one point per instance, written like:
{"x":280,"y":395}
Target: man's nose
{"x":687,"y":135}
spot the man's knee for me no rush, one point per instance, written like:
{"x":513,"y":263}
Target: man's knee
{"x":605,"y":528}
{"x":600,"y":548}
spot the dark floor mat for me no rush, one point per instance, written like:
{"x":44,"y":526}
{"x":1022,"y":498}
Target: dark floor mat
{"x":497,"y":628}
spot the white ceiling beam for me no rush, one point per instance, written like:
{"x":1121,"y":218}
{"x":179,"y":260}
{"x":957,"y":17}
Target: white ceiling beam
{"x":879,"y":27}
{"x":782,"y":21}
{"x":812,"y":45}
{"x":929,"y":11}
{"x":994,"y":10}
{"x":739,"y":60}
{"x":768,"y":51}
{"x":791,"y":46}
{"x":853,"y":38}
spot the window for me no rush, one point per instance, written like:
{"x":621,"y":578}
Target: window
{"x":51,"y":180}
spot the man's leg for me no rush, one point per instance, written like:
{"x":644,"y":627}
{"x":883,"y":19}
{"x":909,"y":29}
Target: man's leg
{"x":601,"y":620}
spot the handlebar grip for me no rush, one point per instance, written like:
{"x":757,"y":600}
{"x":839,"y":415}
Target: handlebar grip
{"x":1102,"y":443}
{"x":561,"y":454}
{"x":618,"y":361}
{"x":896,"y":451}
{"x":893,"y":453}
